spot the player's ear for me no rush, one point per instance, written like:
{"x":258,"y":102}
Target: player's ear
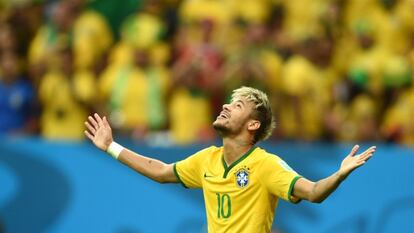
{"x":253,"y":125}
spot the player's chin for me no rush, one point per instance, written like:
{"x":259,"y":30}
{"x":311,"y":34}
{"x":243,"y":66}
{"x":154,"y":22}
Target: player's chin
{"x":219,"y":125}
{"x":216,"y":123}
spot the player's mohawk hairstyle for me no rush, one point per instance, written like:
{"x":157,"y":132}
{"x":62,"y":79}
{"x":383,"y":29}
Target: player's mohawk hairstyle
{"x":263,"y":111}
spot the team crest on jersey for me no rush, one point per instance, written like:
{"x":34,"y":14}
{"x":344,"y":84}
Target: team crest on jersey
{"x":242,"y":178}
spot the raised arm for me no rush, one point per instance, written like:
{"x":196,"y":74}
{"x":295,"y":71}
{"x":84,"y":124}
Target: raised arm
{"x":100,"y":133}
{"x":319,"y":191}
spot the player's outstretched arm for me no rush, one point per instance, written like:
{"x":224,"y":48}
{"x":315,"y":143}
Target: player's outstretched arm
{"x":100,"y":133}
{"x":319,"y":191}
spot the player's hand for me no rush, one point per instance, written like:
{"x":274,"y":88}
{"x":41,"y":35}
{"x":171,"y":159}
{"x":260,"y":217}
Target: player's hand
{"x":352,"y":161}
{"x":99,"y":131}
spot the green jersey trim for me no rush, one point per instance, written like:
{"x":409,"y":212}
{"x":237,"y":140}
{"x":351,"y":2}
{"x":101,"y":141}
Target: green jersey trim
{"x":227,"y":169}
{"x":178,"y":177}
{"x":290,"y":192}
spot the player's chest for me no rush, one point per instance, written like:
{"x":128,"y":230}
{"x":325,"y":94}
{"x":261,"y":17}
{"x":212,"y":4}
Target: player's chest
{"x":237,"y":179}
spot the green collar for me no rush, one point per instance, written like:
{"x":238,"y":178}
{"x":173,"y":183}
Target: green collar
{"x":227,"y":169}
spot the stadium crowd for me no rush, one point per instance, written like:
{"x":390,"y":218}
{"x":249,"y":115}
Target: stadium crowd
{"x":339,"y":70}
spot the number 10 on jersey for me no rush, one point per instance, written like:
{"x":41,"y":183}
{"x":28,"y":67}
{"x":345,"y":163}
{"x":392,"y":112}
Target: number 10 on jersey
{"x":224,"y":205}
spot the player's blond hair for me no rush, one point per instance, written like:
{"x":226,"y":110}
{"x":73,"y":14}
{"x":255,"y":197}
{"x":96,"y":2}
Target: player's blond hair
{"x":263,"y":111}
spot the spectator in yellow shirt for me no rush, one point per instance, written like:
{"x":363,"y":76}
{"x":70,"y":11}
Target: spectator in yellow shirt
{"x":197,"y":74}
{"x":67,"y":97}
{"x":92,"y":37}
{"x":134,"y":94}
{"x":85,"y":30}
{"x":53,"y":34}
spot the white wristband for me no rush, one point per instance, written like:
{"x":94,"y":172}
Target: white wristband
{"x":114,"y":150}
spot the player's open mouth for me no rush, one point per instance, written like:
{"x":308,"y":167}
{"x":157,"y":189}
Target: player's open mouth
{"x":224,"y":115}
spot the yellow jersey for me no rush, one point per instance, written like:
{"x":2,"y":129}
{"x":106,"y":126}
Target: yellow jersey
{"x":241,"y":197}
{"x":65,"y":104}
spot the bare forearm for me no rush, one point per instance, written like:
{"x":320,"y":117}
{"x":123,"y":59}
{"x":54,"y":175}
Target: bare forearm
{"x":319,"y":191}
{"x":323,"y":188}
{"x":100,"y":133}
{"x":151,"y":168}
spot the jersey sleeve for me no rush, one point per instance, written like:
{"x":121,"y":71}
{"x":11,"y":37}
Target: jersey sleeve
{"x":189,"y":170}
{"x":279,"y":178}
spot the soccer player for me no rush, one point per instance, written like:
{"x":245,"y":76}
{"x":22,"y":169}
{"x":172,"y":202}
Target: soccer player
{"x":241,"y":182}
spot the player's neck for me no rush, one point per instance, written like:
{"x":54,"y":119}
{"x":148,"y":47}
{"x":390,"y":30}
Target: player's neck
{"x":233,"y":149}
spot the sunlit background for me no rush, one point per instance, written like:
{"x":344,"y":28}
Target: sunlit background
{"x":338,"y":72}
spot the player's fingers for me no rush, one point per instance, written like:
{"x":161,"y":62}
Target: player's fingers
{"x":88,"y":135}
{"x":368,"y":158}
{"x":365,"y":156}
{"x":90,"y":128}
{"x":105,"y":121}
{"x":369,"y":151}
{"x":93,"y":121}
{"x":372,"y":148}
{"x":360,"y":163}
{"x":98,"y":119}
{"x":354,"y":150}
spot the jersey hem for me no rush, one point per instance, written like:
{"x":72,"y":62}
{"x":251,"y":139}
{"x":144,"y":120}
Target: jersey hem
{"x":290,"y":192}
{"x":178,"y":177}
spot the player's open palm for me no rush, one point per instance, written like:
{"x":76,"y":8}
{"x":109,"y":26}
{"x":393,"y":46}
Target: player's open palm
{"x":99,"y":131}
{"x":352,"y":161}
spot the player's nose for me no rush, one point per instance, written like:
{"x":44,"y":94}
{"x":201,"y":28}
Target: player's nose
{"x":226,"y":107}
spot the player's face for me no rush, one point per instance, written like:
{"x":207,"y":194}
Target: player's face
{"x":234,"y":117}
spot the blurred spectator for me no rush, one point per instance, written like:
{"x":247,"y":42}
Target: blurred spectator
{"x":16,"y":97}
{"x":333,"y":69}
{"x":397,"y":124}
{"x":85,"y":30}
{"x":197,"y":73}
{"x":142,"y":30}
{"x":92,"y":37}
{"x":250,"y":11}
{"x":245,"y":65}
{"x":135,"y":94}
{"x":67,"y":97}
{"x":303,"y":18}
{"x":54,"y":33}
{"x":7,"y":39}
{"x":145,"y":28}
{"x":134,"y":86}
{"x":198,"y":63}
{"x":25,"y":17}
{"x":305,"y":83}
{"x":360,"y":121}
{"x":218,"y":12}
